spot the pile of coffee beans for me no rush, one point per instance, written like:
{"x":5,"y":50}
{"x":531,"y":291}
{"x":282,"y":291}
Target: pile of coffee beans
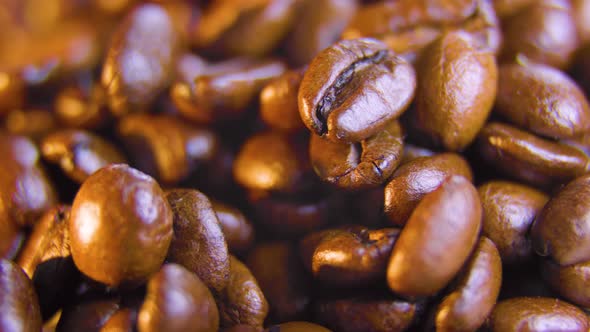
{"x":294,"y":165}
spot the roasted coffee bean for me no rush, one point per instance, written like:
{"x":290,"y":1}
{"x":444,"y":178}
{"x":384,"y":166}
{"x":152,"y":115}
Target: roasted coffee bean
{"x":12,"y":92}
{"x":454,"y":99}
{"x":87,"y":315}
{"x":242,"y":301}
{"x":237,"y":229}
{"x":124,"y":320}
{"x":177,"y":300}
{"x":19,"y":306}
{"x":165,"y":147}
{"x":472,"y":298}
{"x":544,"y":32}
{"x":47,"y":259}
{"x":120,"y":226}
{"x":436,"y":240}
{"x":509,"y":210}
{"x":569,"y":281}
{"x":561,"y":229}
{"x":140,"y":60}
{"x":79,"y":153}
{"x":243,"y":328}
{"x":278,"y":102}
{"x":412,"y":152}
{"x":542,"y":100}
{"x":417,"y":178}
{"x":353,"y":256}
{"x":198,"y":242}
{"x":318,"y":26}
{"x":272,"y":161}
{"x":82,"y":107}
{"x":297,"y":327}
{"x":11,"y":239}
{"x":34,"y":124}
{"x":25,"y":189}
{"x":282,"y":278}
{"x":538,"y":314}
{"x":581,"y":12}
{"x":361,"y":165}
{"x":524,"y":156}
{"x":344,"y":79}
{"x":506,"y":8}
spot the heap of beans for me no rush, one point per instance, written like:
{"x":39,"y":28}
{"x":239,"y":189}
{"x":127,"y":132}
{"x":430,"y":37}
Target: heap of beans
{"x":294,"y":165}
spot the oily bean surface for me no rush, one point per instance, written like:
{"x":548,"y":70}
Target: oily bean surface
{"x":19,"y":306}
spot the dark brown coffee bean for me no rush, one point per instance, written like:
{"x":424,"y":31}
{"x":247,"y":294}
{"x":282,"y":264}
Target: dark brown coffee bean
{"x":87,"y":315}
{"x":12,"y":92}
{"x":35,"y":123}
{"x":140,"y":61}
{"x":272,"y":161}
{"x":506,"y":8}
{"x":344,"y":79}
{"x":360,"y":165}
{"x":164,"y":146}
{"x":243,"y":328}
{"x":82,"y":107}
{"x":282,"y":278}
{"x":198,"y":243}
{"x":297,"y":327}
{"x":19,"y":307}
{"x":542,"y":100}
{"x":376,"y":312}
{"x":79,"y":153}
{"x":509,"y":210}
{"x":436,"y":240}
{"x":242,"y":301}
{"x":47,"y":259}
{"x":569,"y":281}
{"x":318,"y":26}
{"x":348,"y":257}
{"x":417,"y":178}
{"x":581,"y":10}
{"x":124,"y":320}
{"x":540,"y":314}
{"x":120,"y":226}
{"x":561,"y":229}
{"x":474,"y":295}
{"x":524,"y":156}
{"x":237,"y":229}
{"x":278,"y":102}
{"x":25,"y":190}
{"x":177,"y":300}
{"x":454,"y":99}
{"x":544,"y":32}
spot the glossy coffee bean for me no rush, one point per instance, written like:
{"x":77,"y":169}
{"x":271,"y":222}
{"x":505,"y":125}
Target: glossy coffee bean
{"x":561,"y":229}
{"x":529,"y":158}
{"x":79,"y":153}
{"x":542,"y":100}
{"x":177,"y":300}
{"x":237,"y":229}
{"x":47,"y":259}
{"x":472,"y":298}
{"x":373,"y":311}
{"x":124,"y":320}
{"x":164,"y":146}
{"x":278,"y":102}
{"x":417,"y":178}
{"x":344,"y":79}
{"x":19,"y":306}
{"x":82,"y":107}
{"x":140,"y":60}
{"x":198,"y":242}
{"x":272,"y":161}
{"x":454,"y":99}
{"x":120,"y":226}
{"x":242,"y":301}
{"x":509,"y":210}
{"x":282,"y":278}
{"x":297,"y":327}
{"x":537,"y":314}
{"x":25,"y":190}
{"x":544,"y":32}
{"x":436,"y":240}
{"x":35,"y":123}
{"x":360,"y":165}
{"x":87,"y":315}
{"x":318,"y":26}
{"x":569,"y":281}
{"x":353,"y":256}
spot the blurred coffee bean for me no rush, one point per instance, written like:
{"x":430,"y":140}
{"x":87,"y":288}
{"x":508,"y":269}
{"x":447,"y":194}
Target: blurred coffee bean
{"x":569,"y":281}
{"x":87,"y":315}
{"x":12,"y":92}
{"x":237,"y":229}
{"x":82,"y":107}
{"x":124,"y":320}
{"x":19,"y":306}
{"x":278,"y":102}
{"x":35,"y":123}
{"x":297,"y":327}
{"x":506,"y":8}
